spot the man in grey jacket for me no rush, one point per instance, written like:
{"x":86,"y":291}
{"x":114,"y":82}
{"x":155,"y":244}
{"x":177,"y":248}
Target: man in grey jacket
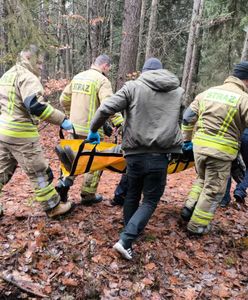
{"x":152,"y":105}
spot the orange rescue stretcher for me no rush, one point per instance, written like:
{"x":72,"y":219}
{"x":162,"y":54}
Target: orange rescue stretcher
{"x":78,"y":157}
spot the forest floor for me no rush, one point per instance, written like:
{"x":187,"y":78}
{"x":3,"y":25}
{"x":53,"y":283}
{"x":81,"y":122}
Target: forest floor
{"x":72,"y":258}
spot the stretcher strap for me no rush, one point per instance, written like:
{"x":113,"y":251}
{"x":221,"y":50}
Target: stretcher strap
{"x":90,"y":161}
{"x":91,"y":155}
{"x":75,"y":162}
{"x":181,"y":160}
{"x":62,"y":137}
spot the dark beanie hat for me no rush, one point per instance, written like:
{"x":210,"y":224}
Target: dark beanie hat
{"x":241,"y":70}
{"x":152,"y":64}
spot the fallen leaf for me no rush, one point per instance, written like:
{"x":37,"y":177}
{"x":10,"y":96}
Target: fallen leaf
{"x":69,"y":281}
{"x":147,"y":281}
{"x":150,"y":266}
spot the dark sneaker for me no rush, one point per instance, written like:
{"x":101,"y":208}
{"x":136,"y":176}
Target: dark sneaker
{"x":1,"y":210}
{"x":239,"y":199}
{"x":225,"y":202}
{"x":117,"y":201}
{"x":63,"y":192}
{"x":186,"y":213}
{"x":126,"y":253}
{"x":91,"y":199}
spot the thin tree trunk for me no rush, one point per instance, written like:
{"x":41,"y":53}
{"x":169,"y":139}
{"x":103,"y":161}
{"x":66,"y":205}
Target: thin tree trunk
{"x":43,"y":28}
{"x":130,"y":42}
{"x":66,"y":43}
{"x":88,"y":51}
{"x":111,"y":25}
{"x":244,"y":55}
{"x":95,"y":28}
{"x":59,"y":34}
{"x":191,"y":50}
{"x":141,"y":40}
{"x":3,"y":36}
{"x":152,"y":28}
{"x":193,"y":62}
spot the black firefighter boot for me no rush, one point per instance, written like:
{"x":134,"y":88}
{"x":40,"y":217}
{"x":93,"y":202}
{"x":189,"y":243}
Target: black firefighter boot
{"x":63,"y":188}
{"x":186,"y":213}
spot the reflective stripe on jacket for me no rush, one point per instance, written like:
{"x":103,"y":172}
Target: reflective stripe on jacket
{"x":83,"y":95}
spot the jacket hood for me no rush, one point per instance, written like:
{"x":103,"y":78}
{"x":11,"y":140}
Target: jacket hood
{"x":160,"y":80}
{"x":237,"y":81}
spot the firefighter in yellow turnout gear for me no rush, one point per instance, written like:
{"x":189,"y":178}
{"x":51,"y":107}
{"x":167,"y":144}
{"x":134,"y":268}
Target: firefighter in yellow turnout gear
{"x":80,"y":100}
{"x":219,"y":116}
{"x":22,"y":105}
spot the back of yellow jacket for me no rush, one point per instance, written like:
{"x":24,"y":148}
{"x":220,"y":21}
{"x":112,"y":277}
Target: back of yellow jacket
{"x":83,"y":95}
{"x":221,"y":115}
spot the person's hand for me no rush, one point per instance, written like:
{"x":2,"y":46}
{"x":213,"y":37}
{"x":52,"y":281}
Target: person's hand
{"x":93,"y":137}
{"x":187,"y":146}
{"x":107,"y":129}
{"x":66,"y":124}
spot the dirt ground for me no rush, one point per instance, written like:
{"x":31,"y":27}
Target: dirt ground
{"x":72,"y":257}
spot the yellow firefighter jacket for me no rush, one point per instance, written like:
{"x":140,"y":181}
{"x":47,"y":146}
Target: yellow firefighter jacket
{"x":221,"y":113}
{"x":18,"y":124}
{"x":83,"y":95}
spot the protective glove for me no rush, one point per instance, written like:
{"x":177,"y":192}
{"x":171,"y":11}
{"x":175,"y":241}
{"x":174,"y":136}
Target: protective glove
{"x":93,"y":137}
{"x":187,"y":146}
{"x":66,"y":124}
{"x":107,"y":129}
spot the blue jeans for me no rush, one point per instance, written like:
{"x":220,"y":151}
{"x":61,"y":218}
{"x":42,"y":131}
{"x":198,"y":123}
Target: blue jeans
{"x":146,"y":173}
{"x":240,"y":189}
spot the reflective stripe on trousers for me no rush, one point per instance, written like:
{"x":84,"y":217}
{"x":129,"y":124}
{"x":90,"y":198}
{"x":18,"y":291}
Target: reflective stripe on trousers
{"x":214,"y":174}
{"x":30,"y":158}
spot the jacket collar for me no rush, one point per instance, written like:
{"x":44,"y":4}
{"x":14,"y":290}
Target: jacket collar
{"x":93,"y":67}
{"x":238,"y":82}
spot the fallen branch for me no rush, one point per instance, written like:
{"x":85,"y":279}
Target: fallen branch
{"x":10,"y":279}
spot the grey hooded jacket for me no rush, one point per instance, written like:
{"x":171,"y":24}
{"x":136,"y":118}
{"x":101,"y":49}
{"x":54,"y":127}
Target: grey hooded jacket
{"x":152,"y":105}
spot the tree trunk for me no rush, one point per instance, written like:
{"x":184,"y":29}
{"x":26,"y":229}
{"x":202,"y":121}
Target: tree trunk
{"x":95,"y":21}
{"x":58,"y":69}
{"x":66,"y":43}
{"x":3,"y":38}
{"x":43,"y":28}
{"x":191,"y":48}
{"x":130,"y":42}
{"x":141,"y":40}
{"x":244,"y":55}
{"x":152,"y":28}
{"x":111,"y":26}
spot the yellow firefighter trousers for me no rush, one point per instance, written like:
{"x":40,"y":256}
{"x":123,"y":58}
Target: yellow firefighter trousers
{"x":30,"y":158}
{"x":207,"y":191}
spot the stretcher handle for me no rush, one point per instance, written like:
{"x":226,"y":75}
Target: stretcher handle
{"x":61,"y":134}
